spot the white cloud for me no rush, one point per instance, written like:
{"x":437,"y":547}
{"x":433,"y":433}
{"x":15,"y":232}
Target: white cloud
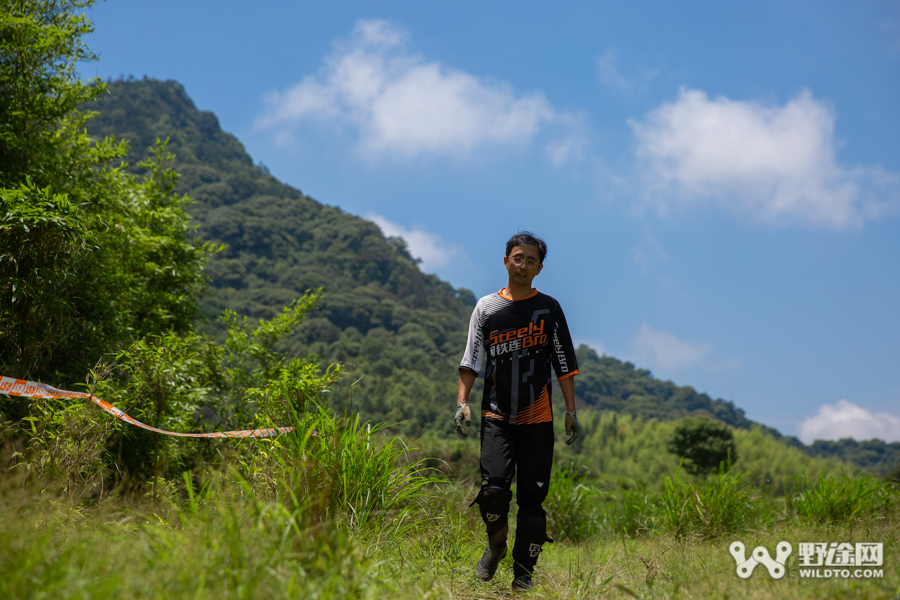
{"x":422,"y":244}
{"x":664,"y":350}
{"x":400,"y":105}
{"x":772,"y":163}
{"x":845,"y":419}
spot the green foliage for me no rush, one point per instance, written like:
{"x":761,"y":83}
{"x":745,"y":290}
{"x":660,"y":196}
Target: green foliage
{"x":351,"y":468}
{"x":631,"y":452}
{"x":67,"y":449}
{"x":634,"y":512}
{"x":224,"y":543}
{"x":45,"y":159}
{"x":42,"y":236}
{"x":571,"y":506}
{"x":91,"y":258}
{"x":263,"y":380}
{"x":842,"y":498}
{"x":252,"y":350}
{"x":295,"y":387}
{"x":144,"y":274}
{"x":703,"y":444}
{"x":41,"y":133}
{"x":163,"y":381}
{"x":725,"y":503}
{"x":872,"y":455}
{"x":378,"y":315}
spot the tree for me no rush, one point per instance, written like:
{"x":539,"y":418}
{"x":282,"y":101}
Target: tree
{"x":704,"y":444}
{"x":91,"y":258}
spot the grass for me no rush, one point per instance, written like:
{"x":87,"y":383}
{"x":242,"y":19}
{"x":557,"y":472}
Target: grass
{"x":228,"y":543}
{"x":339,"y":509}
{"x":833,"y":499}
{"x":720,"y":504}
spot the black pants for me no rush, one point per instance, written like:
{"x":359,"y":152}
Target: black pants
{"x":505,"y":450}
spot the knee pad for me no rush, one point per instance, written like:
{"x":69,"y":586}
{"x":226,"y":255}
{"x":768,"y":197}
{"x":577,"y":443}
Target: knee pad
{"x":494,"y":499}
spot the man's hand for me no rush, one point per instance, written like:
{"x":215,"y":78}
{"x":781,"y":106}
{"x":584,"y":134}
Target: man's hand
{"x":463,"y":414}
{"x":572,"y":427}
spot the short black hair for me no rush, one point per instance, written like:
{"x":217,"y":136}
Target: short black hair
{"x":526,"y":238}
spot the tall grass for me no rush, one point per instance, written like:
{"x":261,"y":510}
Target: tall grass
{"x":634,"y":512}
{"x":348,"y":469}
{"x":285,"y":524}
{"x":720,"y":504}
{"x":227,"y":544}
{"x":572,"y":506}
{"x":842,"y":498}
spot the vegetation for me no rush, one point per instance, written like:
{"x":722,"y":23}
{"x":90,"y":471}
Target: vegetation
{"x":871,"y":455}
{"x":379,"y":316}
{"x":703,"y":445}
{"x":230,"y":537}
{"x":100,"y":263}
{"x":88,"y":253}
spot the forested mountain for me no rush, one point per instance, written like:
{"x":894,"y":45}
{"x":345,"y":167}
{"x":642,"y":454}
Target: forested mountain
{"x":379,"y":315}
{"x":872,"y":455}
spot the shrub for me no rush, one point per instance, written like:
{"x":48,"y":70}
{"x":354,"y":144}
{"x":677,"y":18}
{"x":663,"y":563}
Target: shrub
{"x":703,"y":444}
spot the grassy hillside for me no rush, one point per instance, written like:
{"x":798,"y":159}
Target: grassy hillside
{"x":379,"y":315}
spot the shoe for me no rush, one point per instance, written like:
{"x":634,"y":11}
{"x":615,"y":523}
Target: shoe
{"x":522,"y":583}
{"x":489,"y":562}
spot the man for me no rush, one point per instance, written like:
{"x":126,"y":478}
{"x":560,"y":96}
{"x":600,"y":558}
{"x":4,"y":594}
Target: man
{"x":518,"y":333}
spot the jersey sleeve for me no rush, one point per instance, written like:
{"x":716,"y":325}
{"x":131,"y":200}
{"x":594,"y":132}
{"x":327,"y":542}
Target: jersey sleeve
{"x":473,"y":358}
{"x":564,"y":362}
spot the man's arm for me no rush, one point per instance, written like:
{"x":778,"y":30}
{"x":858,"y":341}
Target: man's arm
{"x":463,"y":414}
{"x":466,"y":381}
{"x":573,"y":427}
{"x":567,"y":386}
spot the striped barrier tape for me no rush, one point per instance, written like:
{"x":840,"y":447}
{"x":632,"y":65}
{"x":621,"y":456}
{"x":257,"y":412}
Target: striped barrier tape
{"x":33,"y":389}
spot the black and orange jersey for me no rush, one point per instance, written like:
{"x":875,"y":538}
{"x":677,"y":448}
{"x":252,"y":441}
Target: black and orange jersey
{"x":518,"y":340}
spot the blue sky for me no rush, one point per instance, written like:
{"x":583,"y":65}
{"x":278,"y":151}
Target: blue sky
{"x":719,"y":183}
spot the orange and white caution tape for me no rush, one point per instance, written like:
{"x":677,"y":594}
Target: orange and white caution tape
{"x":33,"y":389}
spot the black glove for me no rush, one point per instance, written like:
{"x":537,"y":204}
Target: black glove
{"x":462,"y":414}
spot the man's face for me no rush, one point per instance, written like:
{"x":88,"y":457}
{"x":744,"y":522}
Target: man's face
{"x":523,"y":263}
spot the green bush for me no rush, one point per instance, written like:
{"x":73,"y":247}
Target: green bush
{"x":703,"y":444}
